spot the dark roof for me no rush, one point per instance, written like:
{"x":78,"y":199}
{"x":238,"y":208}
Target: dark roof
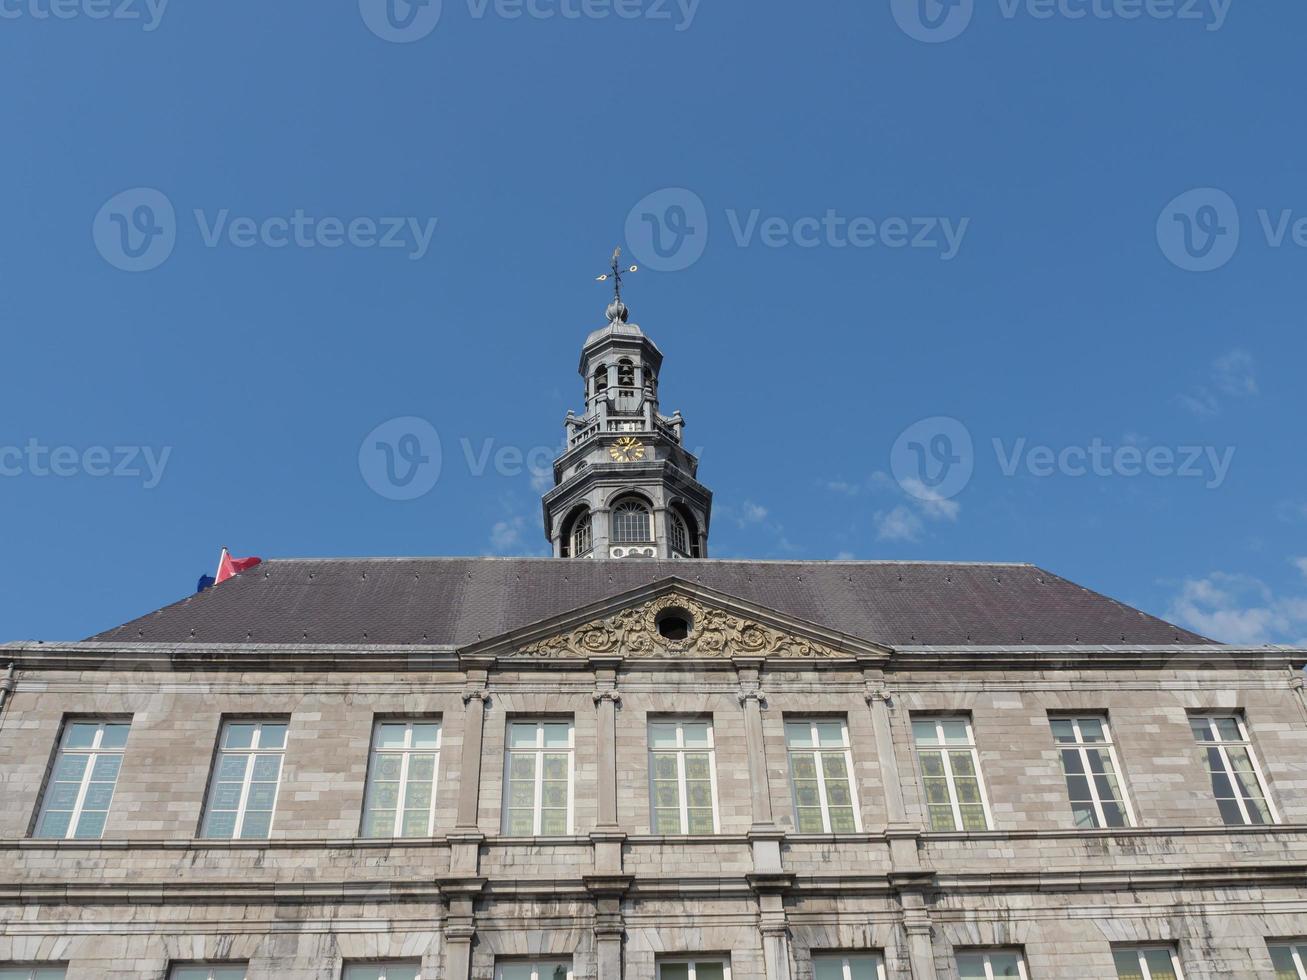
{"x":457,"y":601}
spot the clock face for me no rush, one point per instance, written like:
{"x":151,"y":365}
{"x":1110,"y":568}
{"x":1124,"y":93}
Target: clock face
{"x":626,"y":449}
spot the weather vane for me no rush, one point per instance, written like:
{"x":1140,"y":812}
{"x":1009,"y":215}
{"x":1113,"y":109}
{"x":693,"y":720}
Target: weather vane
{"x":616,"y":274}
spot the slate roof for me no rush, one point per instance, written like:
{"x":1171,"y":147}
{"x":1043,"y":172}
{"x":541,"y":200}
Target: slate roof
{"x":457,"y":601}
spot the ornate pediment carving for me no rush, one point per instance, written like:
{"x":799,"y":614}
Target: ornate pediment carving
{"x":714,"y":632}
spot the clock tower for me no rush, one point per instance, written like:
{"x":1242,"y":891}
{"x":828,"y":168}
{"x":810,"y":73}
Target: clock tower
{"x":625,"y":486}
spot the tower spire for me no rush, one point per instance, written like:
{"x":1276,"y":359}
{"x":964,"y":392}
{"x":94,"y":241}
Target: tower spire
{"x":617,"y":310}
{"x":625,"y":486}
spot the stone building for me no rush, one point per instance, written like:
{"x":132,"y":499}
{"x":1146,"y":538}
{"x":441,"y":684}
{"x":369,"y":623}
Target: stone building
{"x":667,"y":768}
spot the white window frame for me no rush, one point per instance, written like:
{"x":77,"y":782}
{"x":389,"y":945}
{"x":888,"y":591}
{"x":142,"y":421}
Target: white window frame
{"x":694,"y":961}
{"x":630,"y":505}
{"x":253,"y":750}
{"x":817,"y":749}
{"x":381,"y":967}
{"x":944,"y":748}
{"x":1082,"y":747}
{"x":405,"y":753}
{"x":210,"y":966}
{"x":1244,"y":742}
{"x":680,"y":751}
{"x":32,"y":968}
{"x":540,"y":751}
{"x":535,"y":967}
{"x":989,"y":966}
{"x":92,"y":753}
{"x":1139,"y":952}
{"x":1297,"y":951}
{"x":843,"y":960}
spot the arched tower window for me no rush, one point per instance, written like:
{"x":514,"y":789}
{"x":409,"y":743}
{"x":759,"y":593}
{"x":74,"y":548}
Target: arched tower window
{"x":601,"y":379}
{"x":650,"y":380}
{"x":625,"y":374}
{"x":578,"y":537}
{"x":631,"y":523}
{"x":684,"y":532}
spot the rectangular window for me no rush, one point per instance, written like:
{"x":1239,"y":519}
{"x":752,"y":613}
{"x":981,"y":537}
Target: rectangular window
{"x":1092,"y":774}
{"x":243,"y":787}
{"x":683,"y":774}
{"x":207,"y":971}
{"x":1289,"y":960}
{"x":538,"y":790}
{"x":77,"y":797}
{"x":706,"y":969}
{"x":545,"y":970}
{"x":1147,"y":963}
{"x":821,"y":767}
{"x":848,"y":966}
{"x":1236,"y":780}
{"x":396,"y":970}
{"x":999,"y":964}
{"x":401,"y":796}
{"x":35,"y":971}
{"x":950,"y":772}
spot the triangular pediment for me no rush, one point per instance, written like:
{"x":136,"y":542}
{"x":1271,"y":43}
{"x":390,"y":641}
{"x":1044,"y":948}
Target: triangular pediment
{"x":627,"y":626}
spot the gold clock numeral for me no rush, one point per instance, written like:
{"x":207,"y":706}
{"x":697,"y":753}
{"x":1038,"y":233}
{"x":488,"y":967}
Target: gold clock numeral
{"x":626,"y":449}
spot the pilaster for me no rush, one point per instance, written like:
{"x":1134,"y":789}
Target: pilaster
{"x":764,"y":835}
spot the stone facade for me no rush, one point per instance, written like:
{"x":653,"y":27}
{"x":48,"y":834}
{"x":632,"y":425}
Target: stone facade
{"x":613,"y":897}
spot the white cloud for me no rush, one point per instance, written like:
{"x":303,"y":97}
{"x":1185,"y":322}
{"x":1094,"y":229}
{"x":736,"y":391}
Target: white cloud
{"x":846,"y":556}
{"x":899,"y":524}
{"x":542,"y":481}
{"x":1241,"y":609}
{"x":506,"y":535}
{"x":934,"y":506}
{"x":1234,"y":374}
{"x":752,"y":513}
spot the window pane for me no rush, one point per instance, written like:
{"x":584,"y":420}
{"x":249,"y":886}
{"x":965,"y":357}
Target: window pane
{"x":558,"y":735}
{"x":830,"y":733}
{"x":798,"y":734}
{"x":828,"y":968}
{"x":1004,"y":965}
{"x":1160,"y":964}
{"x":674,"y":971}
{"x":115,"y":736}
{"x":272,"y":737}
{"x":238,"y":737}
{"x":1282,"y":960}
{"x":662,"y":736}
{"x":1127,"y":964}
{"x":1063,"y":729}
{"x":425,"y":737}
{"x":523,"y":735}
{"x":391,"y":736}
{"x":1091,"y":730}
{"x":864,"y":967}
{"x":971,"y":966}
{"x":708,"y":971}
{"x":81,"y":735}
{"x":697,"y":735}
{"x":924,"y":733}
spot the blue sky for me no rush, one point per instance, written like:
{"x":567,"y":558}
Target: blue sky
{"x":919,"y":228}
